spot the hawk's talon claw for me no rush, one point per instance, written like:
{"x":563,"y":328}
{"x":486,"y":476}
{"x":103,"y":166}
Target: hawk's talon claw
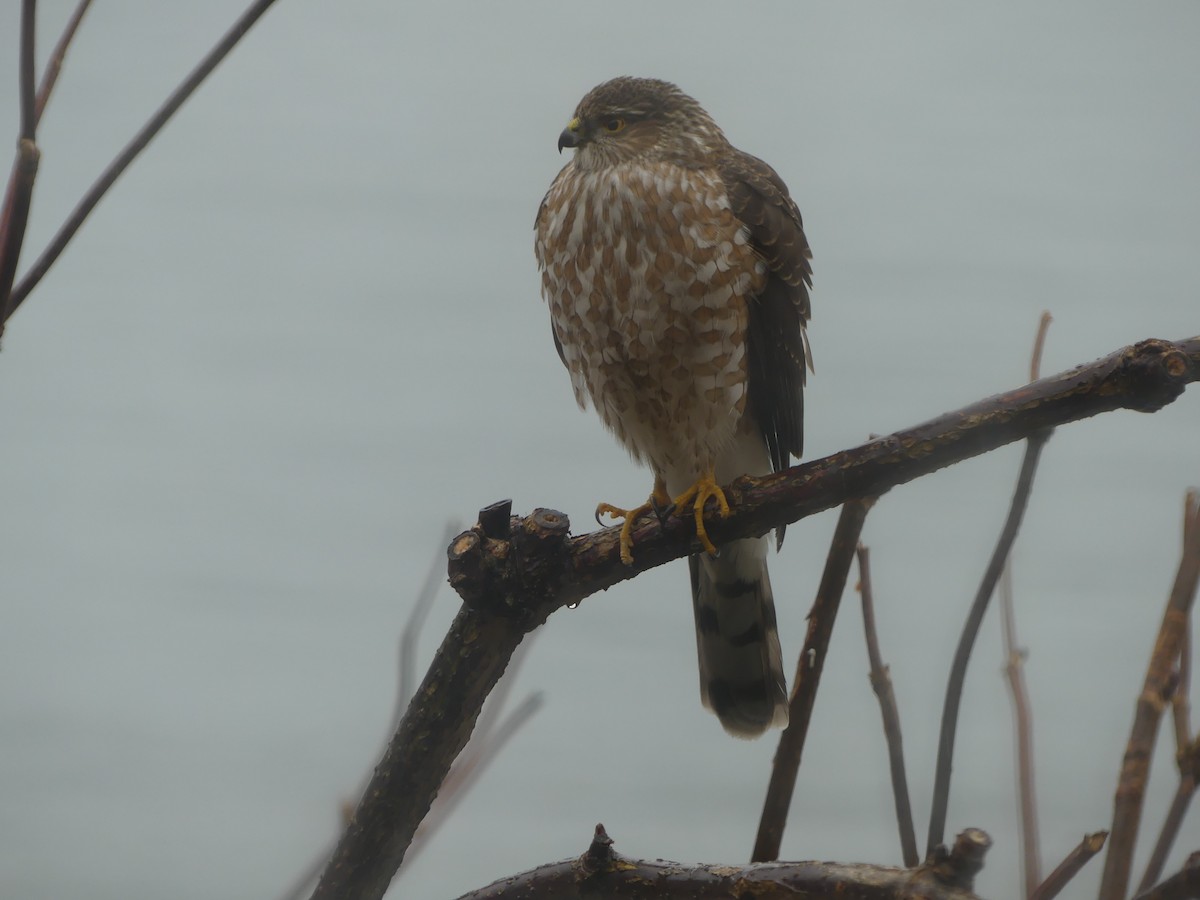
{"x":697,"y":496}
{"x":658,"y":497}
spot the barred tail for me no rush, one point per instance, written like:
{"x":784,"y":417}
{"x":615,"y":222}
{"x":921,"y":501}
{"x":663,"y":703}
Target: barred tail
{"x":741,"y":667}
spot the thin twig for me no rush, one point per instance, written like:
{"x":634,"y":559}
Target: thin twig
{"x":1183,"y":885}
{"x":962,"y":656}
{"x":1031,"y":856}
{"x":60,"y":240}
{"x":28,"y":68}
{"x":1069,"y":867}
{"x":1039,"y":343}
{"x":469,"y":769}
{"x":55,"y":63}
{"x":14,"y":215}
{"x":881,"y":684}
{"x":1187,"y":758}
{"x":808,"y":678}
{"x":1135,"y":768}
{"x":1180,"y":699}
{"x":434,"y":579}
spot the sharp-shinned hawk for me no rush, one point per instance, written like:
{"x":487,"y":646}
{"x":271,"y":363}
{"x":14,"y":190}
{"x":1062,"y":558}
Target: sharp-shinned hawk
{"x":677,"y":274}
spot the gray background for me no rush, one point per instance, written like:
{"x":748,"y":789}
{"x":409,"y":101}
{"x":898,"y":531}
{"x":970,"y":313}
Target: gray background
{"x":304,"y":331}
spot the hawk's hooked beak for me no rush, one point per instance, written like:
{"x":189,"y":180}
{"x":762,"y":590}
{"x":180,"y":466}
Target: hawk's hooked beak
{"x":572,"y":135}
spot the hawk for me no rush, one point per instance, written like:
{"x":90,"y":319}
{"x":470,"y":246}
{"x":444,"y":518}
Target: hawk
{"x":677,"y":272}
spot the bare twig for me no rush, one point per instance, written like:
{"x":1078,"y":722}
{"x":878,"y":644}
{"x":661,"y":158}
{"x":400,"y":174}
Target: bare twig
{"x":881,"y":684}
{"x":160,"y":118}
{"x":1135,"y":769}
{"x":962,"y":656}
{"x":808,"y":678}
{"x":434,"y":579}
{"x":601,"y":872}
{"x":14,"y":215}
{"x":470,"y":768}
{"x":55,"y":63}
{"x":1031,"y":860}
{"x":1183,"y":885}
{"x":1039,"y":343}
{"x":27,"y":67}
{"x":1180,"y":702}
{"x":1031,"y":857}
{"x":1069,"y":867}
{"x":1187,"y":758}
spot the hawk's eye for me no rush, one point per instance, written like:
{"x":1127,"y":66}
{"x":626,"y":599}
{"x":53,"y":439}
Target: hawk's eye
{"x":614,"y":124}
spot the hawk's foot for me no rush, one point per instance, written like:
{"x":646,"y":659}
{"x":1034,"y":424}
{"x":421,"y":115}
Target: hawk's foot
{"x":698,"y":495}
{"x":659,"y":501}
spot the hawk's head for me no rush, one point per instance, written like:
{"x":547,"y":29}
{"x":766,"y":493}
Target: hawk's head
{"x":630,"y":118}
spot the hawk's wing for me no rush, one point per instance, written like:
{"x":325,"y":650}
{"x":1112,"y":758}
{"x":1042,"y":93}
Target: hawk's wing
{"x":776,"y":348}
{"x":537,"y":249}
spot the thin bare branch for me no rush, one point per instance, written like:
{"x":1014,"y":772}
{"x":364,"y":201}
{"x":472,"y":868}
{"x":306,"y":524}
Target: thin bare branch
{"x":434,"y":579}
{"x":881,"y":684}
{"x":160,"y":118}
{"x":1183,"y":885}
{"x":808,"y":677}
{"x":469,"y":769}
{"x":14,"y":215}
{"x":1181,"y":712}
{"x":1172,"y":822}
{"x":1135,"y":769}
{"x":28,"y":67}
{"x":1069,"y":867}
{"x":962,"y":656}
{"x":1039,"y":343}
{"x":1014,"y":654}
{"x":55,"y":63}
{"x":1187,"y":758}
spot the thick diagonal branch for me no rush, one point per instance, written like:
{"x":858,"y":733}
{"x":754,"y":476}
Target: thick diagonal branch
{"x":514,"y":573}
{"x":1144,"y":376}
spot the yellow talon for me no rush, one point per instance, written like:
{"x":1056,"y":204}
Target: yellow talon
{"x":659,"y":500}
{"x":698,"y":495}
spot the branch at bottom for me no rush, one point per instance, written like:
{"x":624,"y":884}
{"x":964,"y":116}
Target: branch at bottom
{"x":602,"y":872}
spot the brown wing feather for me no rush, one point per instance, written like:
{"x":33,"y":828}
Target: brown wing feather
{"x":776,"y":351}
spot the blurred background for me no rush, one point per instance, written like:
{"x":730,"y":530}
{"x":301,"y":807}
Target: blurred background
{"x":303,"y":332}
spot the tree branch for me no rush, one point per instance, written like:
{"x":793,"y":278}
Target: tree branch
{"x":1135,"y":768}
{"x":881,"y":684}
{"x":441,"y":717}
{"x":106,"y":180}
{"x":1183,"y":885}
{"x":600,"y":872}
{"x":55,"y":63}
{"x":1069,"y":867}
{"x":1144,"y":377}
{"x":809,"y":667}
{"x":513,"y":573}
{"x":962,"y":654}
{"x":14,"y":215}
